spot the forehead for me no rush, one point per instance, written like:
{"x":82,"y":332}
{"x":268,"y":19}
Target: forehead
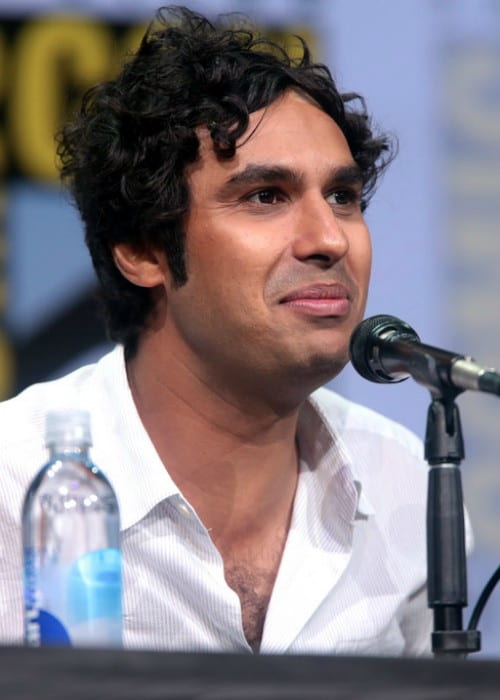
{"x":292,"y":132}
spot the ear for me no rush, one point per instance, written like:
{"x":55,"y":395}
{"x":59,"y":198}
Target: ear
{"x":145,"y":268}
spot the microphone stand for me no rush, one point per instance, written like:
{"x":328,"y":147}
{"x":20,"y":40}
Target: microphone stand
{"x":446,"y":562}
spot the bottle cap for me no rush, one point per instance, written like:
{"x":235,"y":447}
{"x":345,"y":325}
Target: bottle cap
{"x":67,"y":427}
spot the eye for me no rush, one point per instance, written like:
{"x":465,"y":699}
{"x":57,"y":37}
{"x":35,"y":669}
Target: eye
{"x":346,"y":198}
{"x":266,"y":196}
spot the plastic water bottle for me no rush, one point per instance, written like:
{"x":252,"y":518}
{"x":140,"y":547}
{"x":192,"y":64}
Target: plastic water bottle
{"x":71,"y":542}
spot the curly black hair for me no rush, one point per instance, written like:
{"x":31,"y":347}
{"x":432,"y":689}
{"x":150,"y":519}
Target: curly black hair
{"x":125,"y":154}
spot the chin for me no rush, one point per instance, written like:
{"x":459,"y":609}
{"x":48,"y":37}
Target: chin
{"x":320,"y":369}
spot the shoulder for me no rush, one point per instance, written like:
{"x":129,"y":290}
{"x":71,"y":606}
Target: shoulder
{"x":22,"y":455}
{"x":22,"y":418}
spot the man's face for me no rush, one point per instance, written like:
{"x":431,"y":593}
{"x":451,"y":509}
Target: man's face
{"x":278,"y":253}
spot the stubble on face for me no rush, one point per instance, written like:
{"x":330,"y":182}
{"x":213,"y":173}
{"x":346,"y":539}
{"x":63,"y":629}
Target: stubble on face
{"x":245,"y":254}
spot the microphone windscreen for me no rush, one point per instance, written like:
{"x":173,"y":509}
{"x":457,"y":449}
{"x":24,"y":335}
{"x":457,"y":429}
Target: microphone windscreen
{"x":364,"y":341}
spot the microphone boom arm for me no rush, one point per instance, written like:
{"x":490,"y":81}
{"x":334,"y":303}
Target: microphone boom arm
{"x":384,"y":349}
{"x":402,"y":356}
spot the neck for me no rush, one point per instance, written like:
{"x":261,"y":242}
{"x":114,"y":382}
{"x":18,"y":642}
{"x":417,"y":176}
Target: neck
{"x":233,"y":456}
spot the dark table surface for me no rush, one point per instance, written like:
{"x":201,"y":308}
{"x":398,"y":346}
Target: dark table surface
{"x":77,"y":674}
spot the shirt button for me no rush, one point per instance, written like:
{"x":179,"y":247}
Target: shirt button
{"x":184,"y":509}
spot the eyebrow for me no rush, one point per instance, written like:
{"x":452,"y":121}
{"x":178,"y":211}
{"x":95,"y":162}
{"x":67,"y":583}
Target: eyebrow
{"x":256,"y":173}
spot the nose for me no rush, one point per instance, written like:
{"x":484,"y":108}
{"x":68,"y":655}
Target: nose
{"x":321,"y":238}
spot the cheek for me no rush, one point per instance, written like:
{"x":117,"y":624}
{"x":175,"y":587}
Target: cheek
{"x":231,"y":257}
{"x":368,"y":263}
{"x":225,"y":280}
{"x":360,"y":252}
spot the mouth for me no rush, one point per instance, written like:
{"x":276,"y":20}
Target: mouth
{"x":326,"y":300}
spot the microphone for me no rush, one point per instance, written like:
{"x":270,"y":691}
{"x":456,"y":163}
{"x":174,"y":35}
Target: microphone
{"x":385,"y":349}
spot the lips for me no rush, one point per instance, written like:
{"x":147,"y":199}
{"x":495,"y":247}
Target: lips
{"x":319,"y":300}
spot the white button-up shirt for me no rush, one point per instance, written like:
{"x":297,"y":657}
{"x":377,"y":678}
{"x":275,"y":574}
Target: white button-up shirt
{"x":352,"y":575}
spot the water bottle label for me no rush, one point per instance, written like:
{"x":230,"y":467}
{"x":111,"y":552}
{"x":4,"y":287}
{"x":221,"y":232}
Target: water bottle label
{"x":94,"y":586}
{"x":51,"y":630}
{"x":79,"y":605}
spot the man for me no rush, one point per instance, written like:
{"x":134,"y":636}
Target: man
{"x":222,"y":189}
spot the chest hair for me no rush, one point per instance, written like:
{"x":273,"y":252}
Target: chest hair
{"x":254,"y":587}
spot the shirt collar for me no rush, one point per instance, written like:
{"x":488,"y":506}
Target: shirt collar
{"x":323,"y":448}
{"x":123,"y":448}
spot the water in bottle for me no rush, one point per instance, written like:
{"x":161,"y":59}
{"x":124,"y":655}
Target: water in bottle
{"x":71,"y":544}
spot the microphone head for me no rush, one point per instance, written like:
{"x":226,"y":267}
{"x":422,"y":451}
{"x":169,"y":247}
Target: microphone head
{"x":365,"y":341}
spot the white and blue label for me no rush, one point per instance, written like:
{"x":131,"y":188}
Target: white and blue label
{"x":78,"y":606}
